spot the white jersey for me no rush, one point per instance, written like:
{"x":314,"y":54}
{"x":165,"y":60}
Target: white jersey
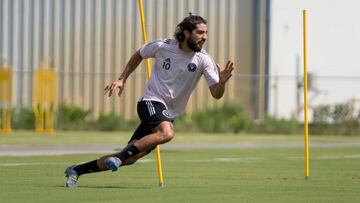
{"x":176,"y":73}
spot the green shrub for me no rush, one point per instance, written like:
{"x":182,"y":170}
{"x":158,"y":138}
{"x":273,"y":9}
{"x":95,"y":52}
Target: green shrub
{"x":322,"y":114}
{"x":273,"y":125}
{"x":229,"y":117}
{"x":109,"y":122}
{"x":23,"y":118}
{"x":337,"y":119}
{"x":337,"y":113}
{"x":343,"y":112}
{"x":344,"y":128}
{"x":72,"y":118}
{"x":183,"y":123}
{"x":130,"y":125}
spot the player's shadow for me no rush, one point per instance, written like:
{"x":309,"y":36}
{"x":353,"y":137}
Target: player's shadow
{"x":112,"y":186}
{"x":108,"y":187}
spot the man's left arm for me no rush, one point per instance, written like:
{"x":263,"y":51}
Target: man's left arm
{"x":217,"y":90}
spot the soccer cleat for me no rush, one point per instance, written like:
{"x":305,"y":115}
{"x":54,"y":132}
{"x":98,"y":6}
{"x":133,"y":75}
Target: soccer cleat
{"x":72,"y":177}
{"x":112,"y":163}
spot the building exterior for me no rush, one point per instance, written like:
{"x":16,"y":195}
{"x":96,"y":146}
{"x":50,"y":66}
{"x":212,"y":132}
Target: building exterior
{"x":88,"y":42}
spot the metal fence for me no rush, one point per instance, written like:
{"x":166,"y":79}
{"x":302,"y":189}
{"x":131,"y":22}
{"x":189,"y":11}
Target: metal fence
{"x":88,"y":42}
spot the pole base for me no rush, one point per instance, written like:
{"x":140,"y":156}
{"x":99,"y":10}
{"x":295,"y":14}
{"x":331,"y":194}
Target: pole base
{"x":6,"y":131}
{"x":161,"y":185}
{"x":306,"y":177}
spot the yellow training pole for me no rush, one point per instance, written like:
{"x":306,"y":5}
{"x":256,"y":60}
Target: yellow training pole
{"x":148,"y":71}
{"x":5,"y":99}
{"x":306,"y":129}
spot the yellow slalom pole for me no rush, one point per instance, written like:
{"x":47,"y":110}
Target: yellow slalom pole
{"x":148,"y":73}
{"x":306,"y":128}
{"x":5,"y":99}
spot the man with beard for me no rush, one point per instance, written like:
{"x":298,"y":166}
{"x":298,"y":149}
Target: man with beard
{"x":179,"y":64}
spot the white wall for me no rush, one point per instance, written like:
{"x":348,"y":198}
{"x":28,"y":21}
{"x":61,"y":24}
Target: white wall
{"x":333,"y":32}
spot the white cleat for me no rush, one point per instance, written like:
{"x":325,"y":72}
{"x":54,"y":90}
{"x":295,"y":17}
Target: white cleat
{"x":112,"y":163}
{"x":72,"y":177}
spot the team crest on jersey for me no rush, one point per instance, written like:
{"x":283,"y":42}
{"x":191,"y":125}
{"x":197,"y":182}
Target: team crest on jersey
{"x":167,"y":41}
{"x":165,"y":113}
{"x":191,"y":67}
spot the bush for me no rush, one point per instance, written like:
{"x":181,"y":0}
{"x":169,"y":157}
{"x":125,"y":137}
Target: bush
{"x":322,"y":114}
{"x":24,"y":118}
{"x":130,"y":125}
{"x":344,"y":128}
{"x":343,"y":112}
{"x":229,"y":117}
{"x":73,"y":118}
{"x":272,"y":125}
{"x":109,"y":122}
{"x":338,"y":119}
{"x":338,"y":113}
{"x":183,"y":123}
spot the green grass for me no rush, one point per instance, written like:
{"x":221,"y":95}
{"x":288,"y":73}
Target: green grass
{"x":261,"y":175}
{"x":224,"y":175}
{"x":93,"y":138}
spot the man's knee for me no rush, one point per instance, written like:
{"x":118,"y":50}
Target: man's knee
{"x":168,"y":135}
{"x":166,"y":132}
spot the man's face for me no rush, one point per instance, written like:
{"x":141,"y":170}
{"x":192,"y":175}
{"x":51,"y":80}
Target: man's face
{"x":197,"y":37}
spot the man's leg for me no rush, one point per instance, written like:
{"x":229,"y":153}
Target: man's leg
{"x":123,"y":158}
{"x":163,"y":133}
{"x":146,"y":138}
{"x":75,"y":171}
{"x":129,"y":161}
{"x":145,"y":144}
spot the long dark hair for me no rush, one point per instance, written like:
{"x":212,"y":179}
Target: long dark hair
{"x":189,"y":23}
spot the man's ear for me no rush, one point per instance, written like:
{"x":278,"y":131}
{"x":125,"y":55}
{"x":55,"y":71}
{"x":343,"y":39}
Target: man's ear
{"x":187,"y":34}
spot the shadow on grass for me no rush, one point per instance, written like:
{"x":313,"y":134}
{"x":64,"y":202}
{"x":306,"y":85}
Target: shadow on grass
{"x":105,"y":187}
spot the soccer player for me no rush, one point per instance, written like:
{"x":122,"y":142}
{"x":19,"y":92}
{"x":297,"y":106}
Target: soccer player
{"x":179,"y":64}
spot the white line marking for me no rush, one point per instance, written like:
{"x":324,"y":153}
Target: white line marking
{"x":350,"y":156}
{"x":31,"y":164}
{"x":226,"y":159}
{"x":145,"y":161}
{"x":353,"y":156}
{"x":220,"y":159}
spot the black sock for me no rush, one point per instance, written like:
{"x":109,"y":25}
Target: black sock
{"x":89,"y":167}
{"x":128,"y":152}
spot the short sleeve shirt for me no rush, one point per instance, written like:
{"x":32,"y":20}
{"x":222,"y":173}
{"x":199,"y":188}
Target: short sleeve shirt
{"x":176,"y":73}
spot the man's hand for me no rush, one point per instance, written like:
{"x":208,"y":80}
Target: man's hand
{"x":113,"y":86}
{"x":129,"y":68}
{"x":225,"y":74}
{"x":217,"y":90}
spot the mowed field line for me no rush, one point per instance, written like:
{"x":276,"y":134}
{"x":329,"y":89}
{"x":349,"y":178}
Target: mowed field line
{"x":214,"y":160}
{"x":11,"y":150}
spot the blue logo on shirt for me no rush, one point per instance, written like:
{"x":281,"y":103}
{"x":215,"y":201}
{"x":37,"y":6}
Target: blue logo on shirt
{"x":191,"y":67}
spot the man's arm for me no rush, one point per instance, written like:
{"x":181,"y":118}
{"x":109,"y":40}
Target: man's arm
{"x":132,"y":64}
{"x":217,"y":90}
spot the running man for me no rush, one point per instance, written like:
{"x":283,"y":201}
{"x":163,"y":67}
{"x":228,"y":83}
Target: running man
{"x":179,"y":64}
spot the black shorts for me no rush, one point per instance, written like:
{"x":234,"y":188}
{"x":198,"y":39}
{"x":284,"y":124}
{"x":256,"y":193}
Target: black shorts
{"x":151,"y":114}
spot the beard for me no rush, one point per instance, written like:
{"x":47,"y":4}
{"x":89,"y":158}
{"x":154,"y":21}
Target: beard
{"x":193,"y":45}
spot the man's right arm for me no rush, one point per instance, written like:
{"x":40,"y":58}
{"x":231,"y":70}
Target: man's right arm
{"x":132,"y":64}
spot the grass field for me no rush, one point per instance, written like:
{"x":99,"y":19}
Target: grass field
{"x":208,"y":175}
